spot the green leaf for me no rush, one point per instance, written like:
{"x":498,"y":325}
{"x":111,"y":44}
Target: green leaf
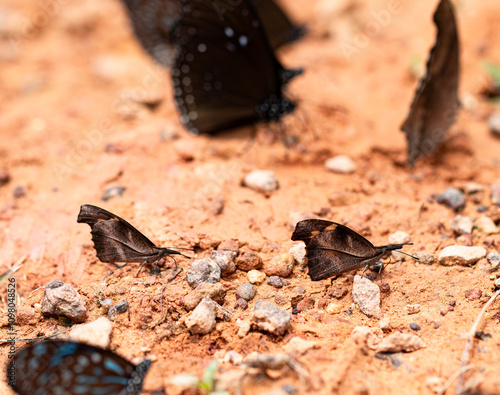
{"x":493,"y":70}
{"x":209,"y":375}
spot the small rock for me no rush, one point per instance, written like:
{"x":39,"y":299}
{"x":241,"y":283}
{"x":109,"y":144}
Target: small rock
{"x":228,"y":245}
{"x":366,"y":336}
{"x":233,"y":357}
{"x":19,"y":192}
{"x":96,"y":333}
{"x":261,"y":180}
{"x":26,"y":315}
{"x":473,"y":294}
{"x":435,"y":384}
{"x":280,"y":300}
{"x":246,"y":291}
{"x":203,"y":270}
{"x":401,"y":342}
{"x":244,"y":327}
{"x":340,"y":164}
{"x":460,"y":224}
{"x":461,"y":255}
{"x":202,"y":319}
{"x":275,"y":282}
{"x":118,"y":308}
{"x":256,"y":277}
{"x":249,"y":260}
{"x":494,"y":260}
{"x":214,"y":291}
{"x":452,"y":198}
{"x":298,"y":251}
{"x":495,"y":195}
{"x":415,"y":327}
{"x":486,"y":225}
{"x":62,"y":299}
{"x":385,"y":324}
{"x":112,"y":192}
{"x":333,"y":308}
{"x":297,"y":345}
{"x":338,"y":291}
{"x":305,"y":304}
{"x":186,"y":149}
{"x":4,"y":177}
{"x":494,"y":124}
{"x":497,"y":283}
{"x":281,"y":265}
{"x":385,"y":288}
{"x":267,"y":317}
{"x":412,"y":309}
{"x":225,"y":260}
{"x":473,"y":187}
{"x":215,"y":205}
{"x":399,"y":237}
{"x":367,"y":296}
{"x":241,"y":303}
{"x":168,"y":133}
{"x":425,"y":257}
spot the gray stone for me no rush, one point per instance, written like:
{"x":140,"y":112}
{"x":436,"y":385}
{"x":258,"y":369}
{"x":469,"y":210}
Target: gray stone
{"x":281,"y":265}
{"x":461,"y":255}
{"x":494,"y":124}
{"x":340,"y":164}
{"x":460,"y":225}
{"x":62,"y":299}
{"x":202,"y":319}
{"x":112,"y":192}
{"x":118,"y":308}
{"x":215,"y":291}
{"x":275,"y":282}
{"x":486,"y":225}
{"x":399,"y":237}
{"x":96,"y":333}
{"x":400,"y":342}
{"x":225,"y":260}
{"x":494,"y":260}
{"x":267,"y":317}
{"x":298,"y":251}
{"x":249,"y":260}
{"x":246,"y":291}
{"x":425,"y":257}
{"x":452,"y":198}
{"x":203,"y":271}
{"x":367,"y":296}
{"x":495,"y":195}
{"x":261,"y":180}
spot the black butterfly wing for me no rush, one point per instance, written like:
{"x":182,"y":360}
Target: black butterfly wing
{"x":115,"y":242}
{"x":436,"y":101}
{"x":279,"y":29}
{"x":225,"y":69}
{"x":153,"y":21}
{"x":90,"y":214}
{"x":64,"y":367}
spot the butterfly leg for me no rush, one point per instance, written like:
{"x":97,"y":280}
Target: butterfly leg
{"x":138,"y":271}
{"x":364,"y":270}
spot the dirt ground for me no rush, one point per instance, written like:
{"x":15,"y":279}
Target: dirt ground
{"x":84,"y":108}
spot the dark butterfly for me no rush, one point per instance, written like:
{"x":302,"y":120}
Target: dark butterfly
{"x":334,"y":249}
{"x":436,"y":101}
{"x":69,"y":368}
{"x":225,"y":74}
{"x":153,"y":21}
{"x":115,"y":240}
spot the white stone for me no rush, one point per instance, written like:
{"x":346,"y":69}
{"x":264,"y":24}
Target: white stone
{"x":340,"y":164}
{"x":460,"y":224}
{"x":486,"y":225}
{"x":261,"y":180}
{"x":298,"y":251}
{"x":399,"y":237}
{"x":461,"y":255}
{"x":256,"y":277}
{"x":96,"y":333}
{"x":367,"y":296}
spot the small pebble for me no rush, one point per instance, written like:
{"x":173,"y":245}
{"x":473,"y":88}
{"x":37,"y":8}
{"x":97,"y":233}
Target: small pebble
{"x":436,"y":325}
{"x":62,"y":299}
{"x":494,"y":260}
{"x":452,"y":198}
{"x":269,"y":318}
{"x":367,"y":296}
{"x":340,"y":164}
{"x":461,"y":255}
{"x":425,"y":258}
{"x":494,"y":124}
{"x":415,"y":327}
{"x":225,"y":260}
{"x":249,"y":260}
{"x":96,"y":333}
{"x":275,"y":281}
{"x":473,"y":294}
{"x":233,"y":357}
{"x":460,"y":224}
{"x":367,"y":337}
{"x":19,"y":192}
{"x":244,"y":327}
{"x":473,"y":187}
{"x":495,"y":195}
{"x":385,"y":324}
{"x":401,"y":342}
{"x":4,"y":177}
{"x":280,"y":300}
{"x":246,"y":291}
{"x":338,"y":291}
{"x":202,"y":319}
{"x":486,"y":225}
{"x":112,"y":192}
{"x":481,"y":208}
{"x":385,"y":288}
{"x":203,"y":270}
{"x":298,"y":251}
{"x":215,"y":205}
{"x":256,"y":277}
{"x":306,"y":304}
{"x":186,"y":149}
{"x":229,"y":245}
{"x":412,"y":309}
{"x":242,"y":304}
{"x":333,"y":308}
{"x":261,"y":180}
{"x":118,"y":308}
{"x":215,"y":291}
{"x":497,"y":283}
{"x":168,"y":133}
{"x":399,"y":237}
{"x":281,"y":265}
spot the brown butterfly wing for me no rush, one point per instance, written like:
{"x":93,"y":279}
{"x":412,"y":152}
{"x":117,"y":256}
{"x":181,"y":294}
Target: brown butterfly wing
{"x":305,"y":230}
{"x":324,"y":263}
{"x":436,"y":101}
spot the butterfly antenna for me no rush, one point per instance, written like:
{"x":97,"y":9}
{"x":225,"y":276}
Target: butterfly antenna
{"x":411,"y":256}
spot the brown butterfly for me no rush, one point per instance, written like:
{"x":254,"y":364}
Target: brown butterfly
{"x":115,"y":240}
{"x":436,"y":101}
{"x":334,"y":249}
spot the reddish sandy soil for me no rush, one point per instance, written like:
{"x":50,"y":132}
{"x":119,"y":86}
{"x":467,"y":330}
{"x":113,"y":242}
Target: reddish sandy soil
{"x":73,"y":122}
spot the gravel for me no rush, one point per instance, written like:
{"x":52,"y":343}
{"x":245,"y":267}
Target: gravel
{"x":275,"y":282}
{"x":249,"y":260}
{"x":261,"y":180}
{"x":460,"y":224}
{"x":340,"y":164}
{"x":203,"y":271}
{"x":281,"y":265}
{"x":256,"y":277}
{"x":202,"y":319}
{"x":215,"y":291}
{"x":246,"y":291}
{"x":225,"y":260}
{"x":461,"y":255}
{"x":452,"y":198}
{"x":96,"y":333}
{"x":400,"y":342}
{"x":367,"y":296}
{"x":270,"y":318}
{"x":62,"y":299}
{"x":494,"y":260}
